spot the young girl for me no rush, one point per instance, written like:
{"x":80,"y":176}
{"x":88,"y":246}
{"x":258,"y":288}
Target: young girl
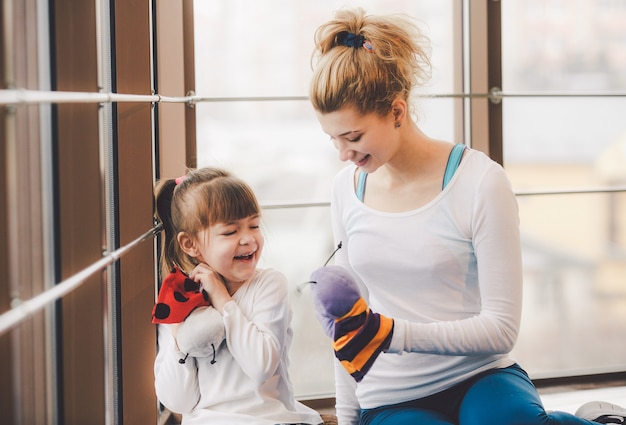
{"x":211,"y":221}
{"x":431,"y":233}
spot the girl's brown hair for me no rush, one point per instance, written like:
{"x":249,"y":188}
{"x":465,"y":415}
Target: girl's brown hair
{"x":369,"y":79}
{"x":202,"y":198}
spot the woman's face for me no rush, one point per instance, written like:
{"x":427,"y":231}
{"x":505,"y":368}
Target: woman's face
{"x":232,"y":249}
{"x":366,"y":140}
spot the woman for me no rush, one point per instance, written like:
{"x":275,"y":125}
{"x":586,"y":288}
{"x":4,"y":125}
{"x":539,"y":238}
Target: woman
{"x":431,"y":233}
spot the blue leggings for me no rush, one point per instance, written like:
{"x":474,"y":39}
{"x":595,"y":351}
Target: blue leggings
{"x":496,"y":397}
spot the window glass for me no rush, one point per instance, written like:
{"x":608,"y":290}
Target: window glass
{"x":565,"y":48}
{"x":574,"y":245}
{"x":574,"y":313}
{"x":263,"y":48}
{"x":297,"y":242}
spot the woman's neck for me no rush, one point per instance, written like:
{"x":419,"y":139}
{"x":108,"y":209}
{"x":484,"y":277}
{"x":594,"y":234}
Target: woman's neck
{"x":413,"y":157}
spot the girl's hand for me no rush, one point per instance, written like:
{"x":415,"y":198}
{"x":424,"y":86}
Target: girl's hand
{"x":213,"y":284}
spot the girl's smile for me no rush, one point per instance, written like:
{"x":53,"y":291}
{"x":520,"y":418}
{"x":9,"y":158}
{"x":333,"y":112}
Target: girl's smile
{"x":245,"y":257}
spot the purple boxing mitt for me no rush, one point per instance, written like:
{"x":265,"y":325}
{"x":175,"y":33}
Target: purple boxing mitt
{"x":334,"y":294}
{"x":359,"y":335}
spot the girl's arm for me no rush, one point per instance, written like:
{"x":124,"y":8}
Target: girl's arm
{"x":176,"y":384}
{"x":257,"y":340}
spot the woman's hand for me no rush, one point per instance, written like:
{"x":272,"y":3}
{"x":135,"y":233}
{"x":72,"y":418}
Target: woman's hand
{"x":213,"y":283}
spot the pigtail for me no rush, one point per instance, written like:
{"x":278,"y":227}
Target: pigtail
{"x":164,"y":194}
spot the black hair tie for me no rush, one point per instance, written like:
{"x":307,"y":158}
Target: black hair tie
{"x":350,"y":40}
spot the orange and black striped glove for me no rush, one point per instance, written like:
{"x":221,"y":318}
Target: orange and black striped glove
{"x":359,"y":335}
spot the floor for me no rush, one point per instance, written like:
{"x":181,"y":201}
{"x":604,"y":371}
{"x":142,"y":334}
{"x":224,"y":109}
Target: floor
{"x":566,"y":399}
{"x":569,"y":401}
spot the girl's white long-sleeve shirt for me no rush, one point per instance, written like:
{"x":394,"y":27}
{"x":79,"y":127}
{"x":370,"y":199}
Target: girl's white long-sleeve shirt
{"x":450,"y":275}
{"x":248,"y":383}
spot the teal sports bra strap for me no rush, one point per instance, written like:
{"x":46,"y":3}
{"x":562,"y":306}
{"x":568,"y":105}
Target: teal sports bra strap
{"x":360,"y":186}
{"x":453,"y":162}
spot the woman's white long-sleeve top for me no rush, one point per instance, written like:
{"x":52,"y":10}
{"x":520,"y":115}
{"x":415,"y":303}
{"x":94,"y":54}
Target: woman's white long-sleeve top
{"x":248,"y":383}
{"x":450,"y":275}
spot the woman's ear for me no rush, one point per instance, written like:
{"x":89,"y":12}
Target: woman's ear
{"x":399,"y":110}
{"x":187,"y":244}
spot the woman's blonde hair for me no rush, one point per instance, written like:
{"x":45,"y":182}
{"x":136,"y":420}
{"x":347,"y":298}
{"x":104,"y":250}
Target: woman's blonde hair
{"x":369,"y":77}
{"x":192,"y":203}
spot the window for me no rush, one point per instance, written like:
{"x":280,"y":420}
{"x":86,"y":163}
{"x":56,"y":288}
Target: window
{"x":255,"y":67}
{"x":77,"y":185}
{"x":258,"y":114}
{"x":268,"y":55}
{"x":564,"y":67}
{"x":89,"y":357}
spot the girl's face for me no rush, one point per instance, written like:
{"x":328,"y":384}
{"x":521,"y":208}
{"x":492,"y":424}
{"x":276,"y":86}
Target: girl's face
{"x":232,"y":249}
{"x":366,"y":140}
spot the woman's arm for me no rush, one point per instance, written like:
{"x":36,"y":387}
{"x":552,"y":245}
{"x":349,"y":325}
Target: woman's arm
{"x":346,"y":404}
{"x":497,"y":247}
